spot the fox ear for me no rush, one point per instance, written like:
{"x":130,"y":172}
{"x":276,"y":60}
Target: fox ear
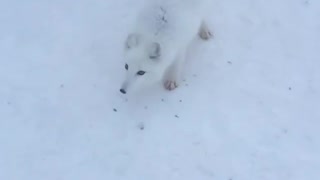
{"x":154,"y":50}
{"x":132,"y":40}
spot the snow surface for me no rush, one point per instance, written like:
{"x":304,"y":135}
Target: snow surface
{"x":248,"y":110}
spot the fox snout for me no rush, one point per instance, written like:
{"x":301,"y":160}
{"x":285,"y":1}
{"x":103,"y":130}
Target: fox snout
{"x":124,"y":87}
{"x":123,"y":91}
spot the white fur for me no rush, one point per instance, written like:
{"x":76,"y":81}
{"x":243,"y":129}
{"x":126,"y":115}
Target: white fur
{"x":157,"y":43}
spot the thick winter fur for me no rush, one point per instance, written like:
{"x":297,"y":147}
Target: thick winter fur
{"x":155,"y":49}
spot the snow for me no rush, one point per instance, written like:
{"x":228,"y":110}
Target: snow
{"x":248,"y":109}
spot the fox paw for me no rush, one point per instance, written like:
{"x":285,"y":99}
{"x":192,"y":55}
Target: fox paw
{"x":205,"y":34}
{"x":170,"y":85}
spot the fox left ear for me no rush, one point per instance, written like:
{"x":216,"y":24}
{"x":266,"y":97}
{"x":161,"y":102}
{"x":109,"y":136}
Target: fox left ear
{"x":154,"y":51}
{"x":133,"y":40}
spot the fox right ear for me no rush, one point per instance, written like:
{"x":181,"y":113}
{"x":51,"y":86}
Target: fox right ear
{"x":154,"y":50}
{"x":132,"y":40}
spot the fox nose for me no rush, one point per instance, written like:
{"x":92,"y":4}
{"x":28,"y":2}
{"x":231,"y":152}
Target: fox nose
{"x":123,"y":91}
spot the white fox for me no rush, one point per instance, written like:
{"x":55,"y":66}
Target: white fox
{"x":155,"y":49}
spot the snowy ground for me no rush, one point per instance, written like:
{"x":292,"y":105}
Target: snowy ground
{"x":248,"y":110}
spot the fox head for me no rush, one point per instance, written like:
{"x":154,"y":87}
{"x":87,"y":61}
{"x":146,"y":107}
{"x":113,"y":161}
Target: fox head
{"x":142,"y":58}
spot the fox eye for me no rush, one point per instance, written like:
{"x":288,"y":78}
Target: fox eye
{"x":140,"y":73}
{"x":126,"y":66}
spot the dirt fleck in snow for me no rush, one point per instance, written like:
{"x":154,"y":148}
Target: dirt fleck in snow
{"x":141,"y":126}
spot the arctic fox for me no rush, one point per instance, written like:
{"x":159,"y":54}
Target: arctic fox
{"x":155,"y":48}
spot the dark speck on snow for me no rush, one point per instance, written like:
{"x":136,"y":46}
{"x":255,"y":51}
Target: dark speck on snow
{"x":141,"y":126}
